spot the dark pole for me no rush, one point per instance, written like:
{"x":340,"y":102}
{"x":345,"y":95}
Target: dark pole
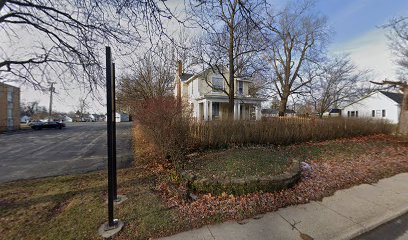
{"x":115,"y":184}
{"x":110,"y":135}
{"x":50,"y":108}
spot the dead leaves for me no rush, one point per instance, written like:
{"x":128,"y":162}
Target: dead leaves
{"x":383,"y":157}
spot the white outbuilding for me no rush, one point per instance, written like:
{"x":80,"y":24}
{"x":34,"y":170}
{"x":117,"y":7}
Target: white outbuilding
{"x":378,"y":105}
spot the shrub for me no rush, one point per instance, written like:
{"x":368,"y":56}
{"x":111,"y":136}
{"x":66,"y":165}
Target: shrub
{"x":170,"y":128}
{"x":282,"y":131}
{"x":164,"y":123}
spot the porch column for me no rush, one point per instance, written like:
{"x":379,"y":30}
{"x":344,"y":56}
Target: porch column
{"x":205,"y":103}
{"x":238,"y":111}
{"x":258,"y":113}
{"x":235,"y":111}
{"x":210,"y":111}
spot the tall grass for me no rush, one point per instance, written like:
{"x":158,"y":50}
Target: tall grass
{"x":165,"y":124}
{"x":282,"y":131}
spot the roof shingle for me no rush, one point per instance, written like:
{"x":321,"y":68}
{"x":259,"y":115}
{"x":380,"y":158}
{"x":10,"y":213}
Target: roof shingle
{"x":396,"y":97}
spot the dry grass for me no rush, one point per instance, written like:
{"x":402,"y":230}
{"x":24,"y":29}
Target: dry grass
{"x":282,"y":131}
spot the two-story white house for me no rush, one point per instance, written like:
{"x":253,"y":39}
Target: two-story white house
{"x":208,"y":101}
{"x":377,"y":105}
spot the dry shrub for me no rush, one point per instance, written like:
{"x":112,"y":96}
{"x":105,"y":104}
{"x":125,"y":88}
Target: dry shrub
{"x":282,"y":131}
{"x":174,"y":134}
{"x":166,"y":125}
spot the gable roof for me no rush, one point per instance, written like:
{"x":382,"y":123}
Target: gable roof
{"x":396,"y":97}
{"x":186,"y":76}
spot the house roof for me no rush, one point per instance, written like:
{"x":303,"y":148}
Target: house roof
{"x":186,"y":76}
{"x":275,"y":111}
{"x":396,"y":97}
{"x":335,"y":110}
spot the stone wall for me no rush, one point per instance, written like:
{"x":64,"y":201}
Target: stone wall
{"x":241,"y":186}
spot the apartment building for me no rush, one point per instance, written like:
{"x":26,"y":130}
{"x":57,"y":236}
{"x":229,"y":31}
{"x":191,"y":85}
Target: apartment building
{"x":9,"y":107}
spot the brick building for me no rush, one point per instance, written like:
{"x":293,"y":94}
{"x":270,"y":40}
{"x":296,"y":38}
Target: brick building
{"x":9,"y":107}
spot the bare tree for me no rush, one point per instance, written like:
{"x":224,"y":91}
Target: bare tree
{"x":184,"y":49}
{"x":152,"y":76}
{"x":398,"y":37}
{"x":229,"y":40}
{"x":337,"y":82}
{"x":296,"y":38}
{"x":66,"y":38}
{"x":82,"y":108}
{"x":34,"y":110}
{"x":30,"y":108}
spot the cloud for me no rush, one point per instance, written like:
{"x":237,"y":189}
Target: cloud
{"x":369,"y":51}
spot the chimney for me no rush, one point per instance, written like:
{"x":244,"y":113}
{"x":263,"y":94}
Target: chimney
{"x":179,"y":68}
{"x":179,"y":73}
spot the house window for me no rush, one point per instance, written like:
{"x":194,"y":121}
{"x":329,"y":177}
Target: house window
{"x":217,"y":84}
{"x":348,"y":113}
{"x":373,"y":113}
{"x":352,"y":113}
{"x":383,"y":113}
{"x":10,"y":123}
{"x":356,"y":113}
{"x":215,"y":109}
{"x":10,"y":94}
{"x":240,"y":87}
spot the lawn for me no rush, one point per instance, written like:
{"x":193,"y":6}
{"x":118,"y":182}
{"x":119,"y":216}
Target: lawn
{"x":73,"y":207}
{"x":240,"y":162}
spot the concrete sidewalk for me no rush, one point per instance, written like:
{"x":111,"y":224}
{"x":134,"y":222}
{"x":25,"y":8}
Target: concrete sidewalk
{"x":345,"y":215}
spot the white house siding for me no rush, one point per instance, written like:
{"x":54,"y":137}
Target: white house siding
{"x":377,"y":102}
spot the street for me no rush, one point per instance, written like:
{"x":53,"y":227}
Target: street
{"x":80,"y":147}
{"x":396,"y":229}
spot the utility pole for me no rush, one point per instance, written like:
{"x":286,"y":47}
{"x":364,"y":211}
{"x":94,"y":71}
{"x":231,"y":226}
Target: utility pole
{"x":52,"y":89}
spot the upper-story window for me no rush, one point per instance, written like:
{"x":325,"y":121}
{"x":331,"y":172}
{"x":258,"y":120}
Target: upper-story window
{"x":10,"y":94}
{"x":240,"y":87}
{"x":217,"y":84}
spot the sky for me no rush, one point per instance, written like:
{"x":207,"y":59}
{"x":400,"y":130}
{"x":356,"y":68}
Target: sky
{"x":357,"y":32}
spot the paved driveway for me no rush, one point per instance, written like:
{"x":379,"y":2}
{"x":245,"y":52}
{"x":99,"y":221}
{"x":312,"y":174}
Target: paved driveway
{"x":80,"y":147}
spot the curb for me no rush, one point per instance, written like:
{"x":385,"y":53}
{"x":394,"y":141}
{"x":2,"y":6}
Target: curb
{"x":395,"y":214}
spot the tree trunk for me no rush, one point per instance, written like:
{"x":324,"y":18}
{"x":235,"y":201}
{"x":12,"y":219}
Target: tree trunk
{"x":231,"y":91}
{"x":403,"y":119}
{"x":282,"y":106}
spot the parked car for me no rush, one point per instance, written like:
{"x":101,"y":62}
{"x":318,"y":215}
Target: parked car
{"x":51,"y":124}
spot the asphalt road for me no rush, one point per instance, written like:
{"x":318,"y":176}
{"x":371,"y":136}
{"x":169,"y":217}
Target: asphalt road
{"x":80,"y":147}
{"x":396,"y":229}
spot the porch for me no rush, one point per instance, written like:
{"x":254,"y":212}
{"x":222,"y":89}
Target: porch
{"x":217,"y":109}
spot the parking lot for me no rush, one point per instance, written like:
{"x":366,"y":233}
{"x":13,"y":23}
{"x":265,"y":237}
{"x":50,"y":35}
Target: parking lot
{"x":80,"y":147}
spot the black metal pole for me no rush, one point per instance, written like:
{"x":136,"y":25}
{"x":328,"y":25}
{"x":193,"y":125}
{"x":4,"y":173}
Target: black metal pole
{"x":110,"y":135}
{"x":115,"y":184}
